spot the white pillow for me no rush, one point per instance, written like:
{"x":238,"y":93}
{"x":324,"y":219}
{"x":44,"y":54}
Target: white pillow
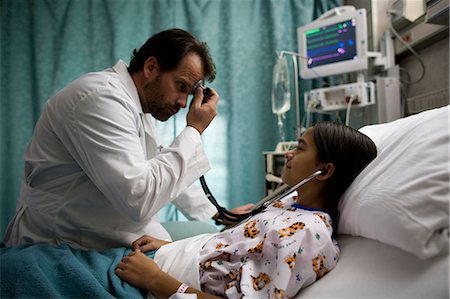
{"x":402,"y":197}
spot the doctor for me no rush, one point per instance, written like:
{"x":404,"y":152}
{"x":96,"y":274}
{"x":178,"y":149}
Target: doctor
{"x":95,"y":173}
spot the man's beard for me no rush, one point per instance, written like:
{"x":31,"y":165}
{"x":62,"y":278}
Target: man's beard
{"x":155,"y":102}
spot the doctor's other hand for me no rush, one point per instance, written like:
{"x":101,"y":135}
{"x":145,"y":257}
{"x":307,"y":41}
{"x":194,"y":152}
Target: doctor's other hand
{"x":243,"y":209}
{"x":202,"y":111}
{"x":147,"y":243}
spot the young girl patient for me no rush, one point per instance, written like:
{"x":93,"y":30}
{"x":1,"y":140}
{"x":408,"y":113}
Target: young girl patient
{"x":272,"y":254}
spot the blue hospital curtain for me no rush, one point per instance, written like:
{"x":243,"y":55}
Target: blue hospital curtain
{"x":45,"y":44}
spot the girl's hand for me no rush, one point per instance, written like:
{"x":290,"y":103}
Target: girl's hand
{"x":147,"y":243}
{"x":139,"y":270}
{"x":144,"y":273}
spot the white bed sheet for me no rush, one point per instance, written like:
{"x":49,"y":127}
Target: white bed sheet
{"x":370,"y":269}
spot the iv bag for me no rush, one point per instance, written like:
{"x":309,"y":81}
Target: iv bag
{"x":281,"y":94}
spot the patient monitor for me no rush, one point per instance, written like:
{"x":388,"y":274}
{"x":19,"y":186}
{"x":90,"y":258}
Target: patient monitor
{"x":334,"y":44}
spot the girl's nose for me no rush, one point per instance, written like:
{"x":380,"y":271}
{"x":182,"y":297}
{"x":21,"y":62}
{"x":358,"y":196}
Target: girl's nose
{"x":288,"y":155}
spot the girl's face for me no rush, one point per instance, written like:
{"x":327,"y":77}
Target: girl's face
{"x":303,"y":161}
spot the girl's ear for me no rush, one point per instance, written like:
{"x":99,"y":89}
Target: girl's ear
{"x":150,"y":67}
{"x":327,"y":172}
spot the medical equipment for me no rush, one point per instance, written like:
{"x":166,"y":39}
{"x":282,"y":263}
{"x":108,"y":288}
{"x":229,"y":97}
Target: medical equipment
{"x":285,"y":190}
{"x":335,"y":43}
{"x":206,"y":90}
{"x":281,"y":93}
{"x":227,"y":216}
{"x":281,"y":82}
{"x":345,"y":96}
{"x":274,"y":164}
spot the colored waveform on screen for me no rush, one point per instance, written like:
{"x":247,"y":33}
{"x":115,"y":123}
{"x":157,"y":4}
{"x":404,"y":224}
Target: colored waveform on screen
{"x":331,"y":43}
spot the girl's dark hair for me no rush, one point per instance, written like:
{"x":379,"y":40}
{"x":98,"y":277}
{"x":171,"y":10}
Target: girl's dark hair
{"x":350,"y":151}
{"x":169,"y":47}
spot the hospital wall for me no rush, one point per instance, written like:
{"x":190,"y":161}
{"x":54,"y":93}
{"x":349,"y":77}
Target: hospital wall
{"x":427,"y":35}
{"x":433,"y":90}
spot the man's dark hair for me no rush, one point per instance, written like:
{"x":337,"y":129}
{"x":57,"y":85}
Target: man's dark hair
{"x":169,"y":47}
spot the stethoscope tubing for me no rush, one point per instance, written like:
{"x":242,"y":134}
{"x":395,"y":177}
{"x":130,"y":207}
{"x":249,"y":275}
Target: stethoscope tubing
{"x":261,"y":205}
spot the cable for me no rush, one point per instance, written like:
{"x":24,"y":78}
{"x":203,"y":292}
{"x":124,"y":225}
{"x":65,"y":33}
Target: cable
{"x":347,"y":114}
{"x":397,"y":35}
{"x":401,"y":69}
{"x":318,"y":76}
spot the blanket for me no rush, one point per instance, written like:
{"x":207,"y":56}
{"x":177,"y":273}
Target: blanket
{"x":47,"y":271}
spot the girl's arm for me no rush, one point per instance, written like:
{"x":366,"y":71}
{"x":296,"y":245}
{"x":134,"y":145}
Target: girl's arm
{"x":143,"y":272}
{"x":147,"y":243}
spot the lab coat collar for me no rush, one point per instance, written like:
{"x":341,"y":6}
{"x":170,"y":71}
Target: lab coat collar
{"x":121,"y":68}
{"x":151,"y":140}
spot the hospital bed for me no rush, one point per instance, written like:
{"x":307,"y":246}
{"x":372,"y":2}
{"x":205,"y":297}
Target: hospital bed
{"x":393,"y":232}
{"x":369,"y":269}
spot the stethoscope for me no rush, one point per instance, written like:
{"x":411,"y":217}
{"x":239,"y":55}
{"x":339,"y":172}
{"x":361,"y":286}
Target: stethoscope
{"x":225,"y":215}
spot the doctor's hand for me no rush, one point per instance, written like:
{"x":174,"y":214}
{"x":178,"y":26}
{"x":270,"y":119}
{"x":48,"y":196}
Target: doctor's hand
{"x":147,"y":243}
{"x":243,"y":209}
{"x":202,"y":110}
{"x":237,"y":210}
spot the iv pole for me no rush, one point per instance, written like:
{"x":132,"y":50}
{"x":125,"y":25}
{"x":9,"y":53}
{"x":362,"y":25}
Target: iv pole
{"x":298,"y":127}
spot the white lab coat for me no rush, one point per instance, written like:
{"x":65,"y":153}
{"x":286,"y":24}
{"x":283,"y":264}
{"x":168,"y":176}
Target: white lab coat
{"x":95,"y":174}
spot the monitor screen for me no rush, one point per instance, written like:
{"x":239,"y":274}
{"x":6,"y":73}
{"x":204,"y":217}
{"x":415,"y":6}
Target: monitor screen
{"x":333,"y":46}
{"x":332,"y":43}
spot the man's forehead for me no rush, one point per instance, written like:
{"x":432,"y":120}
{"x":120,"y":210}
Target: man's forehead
{"x":191,"y":65}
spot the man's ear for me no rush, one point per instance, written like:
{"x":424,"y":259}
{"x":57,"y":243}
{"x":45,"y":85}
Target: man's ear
{"x":150,"y":67}
{"x":327,"y":172}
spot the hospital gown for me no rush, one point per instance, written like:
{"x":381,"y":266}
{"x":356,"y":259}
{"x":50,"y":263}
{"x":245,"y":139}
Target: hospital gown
{"x":272,"y":255}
